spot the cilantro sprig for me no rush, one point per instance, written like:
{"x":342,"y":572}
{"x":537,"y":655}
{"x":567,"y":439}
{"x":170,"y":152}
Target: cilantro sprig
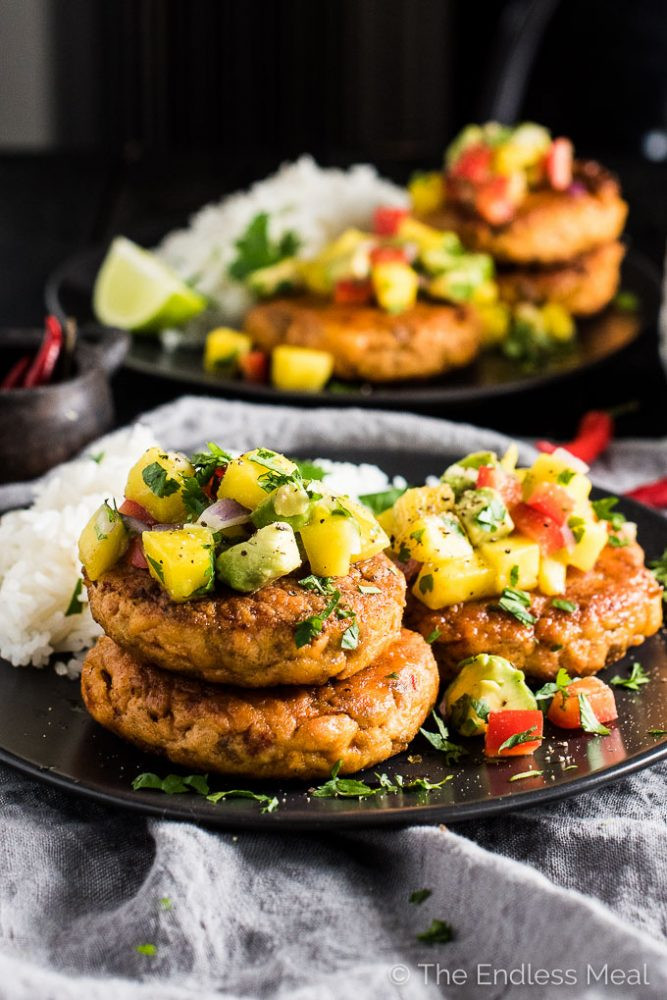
{"x":255,"y":249}
{"x":516,"y":739}
{"x":353,"y":788}
{"x":206,"y":462}
{"x":75,"y":606}
{"x":311,"y":627}
{"x":638,"y":677}
{"x":176,"y":784}
{"x":517,"y":603}
{"x":440,"y":741}
{"x":589,"y":721}
{"x":552,"y":688}
{"x":158,"y":481}
{"x":604,"y":510}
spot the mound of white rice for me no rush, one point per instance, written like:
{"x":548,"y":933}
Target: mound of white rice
{"x":316,"y":203}
{"x":39,"y":565}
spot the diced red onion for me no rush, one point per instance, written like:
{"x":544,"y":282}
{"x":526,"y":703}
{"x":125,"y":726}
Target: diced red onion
{"x":223,"y":514}
{"x":163,"y":527}
{"x":135,"y":526}
{"x":576,"y":188}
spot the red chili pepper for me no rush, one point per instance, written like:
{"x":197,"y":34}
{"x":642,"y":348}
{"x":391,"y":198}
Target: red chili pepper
{"x":594,"y":435}
{"x":652,"y":494}
{"x":255,"y":366}
{"x":42,"y":367}
{"x":14,"y":376}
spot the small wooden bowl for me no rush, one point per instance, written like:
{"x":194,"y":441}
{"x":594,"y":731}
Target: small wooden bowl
{"x":43,"y":426}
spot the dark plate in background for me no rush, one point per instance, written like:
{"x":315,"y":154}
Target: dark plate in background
{"x":69,"y":292}
{"x":45,"y":732}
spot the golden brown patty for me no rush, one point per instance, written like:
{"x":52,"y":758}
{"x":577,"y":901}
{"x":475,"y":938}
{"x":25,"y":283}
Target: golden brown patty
{"x":619,"y":604}
{"x":248,"y":639}
{"x":549,"y":226}
{"x":584,"y":286}
{"x":297,"y":732}
{"x":367,"y":342}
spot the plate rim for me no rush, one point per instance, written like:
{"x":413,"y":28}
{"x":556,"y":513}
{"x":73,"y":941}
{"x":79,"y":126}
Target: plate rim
{"x":417,"y":395}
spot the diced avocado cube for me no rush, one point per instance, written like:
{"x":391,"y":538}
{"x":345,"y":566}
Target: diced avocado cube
{"x":484,"y":515}
{"x":270,"y":553}
{"x":484,"y":684}
{"x":181,"y":560}
{"x":103,"y":541}
{"x":275,"y":279}
{"x":462,"y":475}
{"x":250,"y":478}
{"x":156,"y":483}
{"x":289,"y":503}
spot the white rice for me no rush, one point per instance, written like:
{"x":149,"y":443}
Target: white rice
{"x":39,"y":565}
{"x":316,"y":203}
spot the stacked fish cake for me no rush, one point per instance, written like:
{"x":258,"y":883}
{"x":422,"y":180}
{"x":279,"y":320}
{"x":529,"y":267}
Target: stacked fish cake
{"x":551,"y":222}
{"x":252,"y":620}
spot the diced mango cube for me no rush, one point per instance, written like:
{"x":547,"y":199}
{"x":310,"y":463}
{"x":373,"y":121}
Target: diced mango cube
{"x":224,"y":347}
{"x":181,"y":560}
{"x":495,"y":322}
{"x":558,"y":322}
{"x":373,"y":538}
{"x":395,"y":285}
{"x":434,"y":538}
{"x":585,"y":554}
{"x":386,"y":521}
{"x":555,"y":469}
{"x":300,"y":369}
{"x":553,"y":576}
{"x":420,"y":501}
{"x":103,"y":541}
{"x":439,"y":586}
{"x":506,"y":554}
{"x":247,"y":479}
{"x":427,"y":192}
{"x":331,"y":541}
{"x":156,"y":483}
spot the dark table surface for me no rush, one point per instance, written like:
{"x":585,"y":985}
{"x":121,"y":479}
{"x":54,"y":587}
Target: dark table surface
{"x":52,"y":206}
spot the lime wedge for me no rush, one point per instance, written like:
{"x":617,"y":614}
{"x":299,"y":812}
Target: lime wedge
{"x":135,"y":290}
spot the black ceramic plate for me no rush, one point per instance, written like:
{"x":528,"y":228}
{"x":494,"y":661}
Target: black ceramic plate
{"x":69,"y":289}
{"x":45,"y":731}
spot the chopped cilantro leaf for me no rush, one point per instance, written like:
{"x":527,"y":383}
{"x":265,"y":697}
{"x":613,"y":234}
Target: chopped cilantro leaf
{"x":516,"y":739}
{"x":589,"y":721}
{"x":604,"y":510}
{"x":352,"y":788}
{"x":311,"y":627}
{"x":255,"y":250}
{"x":617,"y":542}
{"x":404,"y":554}
{"x":379,"y":502}
{"x":514,"y":576}
{"x":517,"y":603}
{"x":564,"y":605}
{"x":158,"y":482}
{"x":433,"y":636}
{"x":166,"y":903}
{"x":75,"y":606}
{"x":419,"y":896}
{"x":577,"y":525}
{"x":525,"y":774}
{"x":195,"y":500}
{"x":492,"y":515}
{"x":393,"y":676}
{"x":626,"y":301}
{"x":159,"y":572}
{"x":440,"y":932}
{"x":657,"y":732}
{"x":440,"y":741}
{"x":97,"y":457}
{"x":418,"y":534}
{"x":426,"y":583}
{"x":368,"y":590}
{"x":206,"y":462}
{"x":146,"y":949}
{"x":318,"y":584}
{"x":565,"y":477}
{"x":637,"y":678}
{"x":350,"y":637}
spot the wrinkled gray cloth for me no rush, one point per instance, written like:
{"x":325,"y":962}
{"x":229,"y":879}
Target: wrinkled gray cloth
{"x":571,"y":893}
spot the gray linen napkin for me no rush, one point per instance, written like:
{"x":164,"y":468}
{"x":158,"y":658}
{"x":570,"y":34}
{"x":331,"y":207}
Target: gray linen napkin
{"x":571,"y":894}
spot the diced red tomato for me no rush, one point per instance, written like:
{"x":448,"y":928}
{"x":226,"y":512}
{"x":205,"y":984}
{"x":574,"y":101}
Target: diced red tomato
{"x":213,"y":485}
{"x":353,"y":293}
{"x":558,"y":164}
{"x":135,"y":554}
{"x":132,"y":509}
{"x":380,"y":255}
{"x":564,"y":708}
{"x":387,"y":220}
{"x":552,"y":501}
{"x":474,"y":164}
{"x":495,"y":478}
{"x":493,"y":201}
{"x":549,"y":535}
{"x":254,"y":366}
{"x":503,"y":725}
